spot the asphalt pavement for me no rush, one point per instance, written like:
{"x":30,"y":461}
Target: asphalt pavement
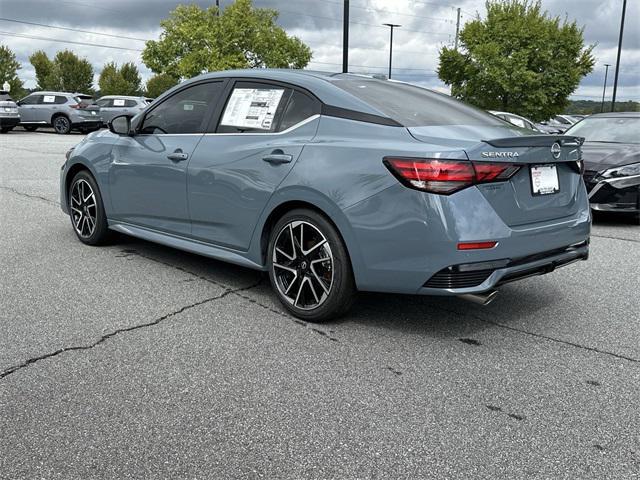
{"x":139,"y":361}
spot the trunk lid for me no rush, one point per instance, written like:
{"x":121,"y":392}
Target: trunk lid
{"x":514,"y":200}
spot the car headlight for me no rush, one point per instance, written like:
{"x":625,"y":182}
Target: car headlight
{"x":624,"y":171}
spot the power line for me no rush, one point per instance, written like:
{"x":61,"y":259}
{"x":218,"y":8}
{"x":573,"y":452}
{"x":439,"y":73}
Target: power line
{"x":73,"y":29}
{"x":49,"y":39}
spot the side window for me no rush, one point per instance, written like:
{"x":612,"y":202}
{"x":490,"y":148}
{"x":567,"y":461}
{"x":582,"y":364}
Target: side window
{"x":119,"y":102}
{"x":183,"y":112}
{"x":130,"y":103}
{"x":60,"y":100}
{"x":104,"y":102}
{"x":517,"y":122}
{"x":253,"y":107}
{"x":48,"y":99}
{"x":300,"y":107}
{"x":31,"y":100}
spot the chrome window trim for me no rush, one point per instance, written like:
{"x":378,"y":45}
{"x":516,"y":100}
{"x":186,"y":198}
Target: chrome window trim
{"x":283,"y":132}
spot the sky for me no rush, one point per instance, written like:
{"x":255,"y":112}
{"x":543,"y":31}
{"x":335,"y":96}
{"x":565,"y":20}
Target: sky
{"x":426,"y":27}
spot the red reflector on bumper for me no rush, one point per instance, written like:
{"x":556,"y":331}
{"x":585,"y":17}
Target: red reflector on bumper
{"x":476,"y":245}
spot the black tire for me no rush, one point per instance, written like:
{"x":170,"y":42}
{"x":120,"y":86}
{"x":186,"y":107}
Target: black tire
{"x":30,"y":128}
{"x":334,"y":282}
{"x":100,"y":234}
{"x":61,"y":124}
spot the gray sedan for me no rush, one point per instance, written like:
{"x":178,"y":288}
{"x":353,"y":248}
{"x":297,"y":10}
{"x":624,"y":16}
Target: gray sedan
{"x":112,"y":106}
{"x":334,"y":184}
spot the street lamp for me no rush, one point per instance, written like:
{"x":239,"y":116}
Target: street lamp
{"x":604,"y":88}
{"x":392,"y":26}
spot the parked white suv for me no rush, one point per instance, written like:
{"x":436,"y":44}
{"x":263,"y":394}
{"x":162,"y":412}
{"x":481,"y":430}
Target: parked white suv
{"x":63,"y":111}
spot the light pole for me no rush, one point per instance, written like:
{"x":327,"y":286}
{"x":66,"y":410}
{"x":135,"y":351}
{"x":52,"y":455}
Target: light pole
{"x":392,"y":26}
{"x":604,"y":88}
{"x":345,"y":37}
{"x":615,"y":81}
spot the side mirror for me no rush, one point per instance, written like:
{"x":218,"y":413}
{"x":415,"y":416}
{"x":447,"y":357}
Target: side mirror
{"x":120,"y":125}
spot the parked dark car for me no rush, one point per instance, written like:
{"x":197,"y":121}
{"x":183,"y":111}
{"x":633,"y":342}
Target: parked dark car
{"x":611,"y":155}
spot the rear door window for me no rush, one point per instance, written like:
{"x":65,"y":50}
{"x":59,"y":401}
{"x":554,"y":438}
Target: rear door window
{"x":31,"y":100}
{"x":413,"y":106}
{"x":60,"y":100}
{"x":254,"y":107}
{"x":48,"y":99}
{"x":300,"y":107}
{"x":183,"y":112}
{"x":119,"y":102}
{"x":130,"y":103}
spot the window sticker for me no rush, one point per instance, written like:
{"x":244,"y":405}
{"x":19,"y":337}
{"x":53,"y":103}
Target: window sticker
{"x":49,"y":99}
{"x":187,"y":107}
{"x":118,"y":102}
{"x":252,"y":108}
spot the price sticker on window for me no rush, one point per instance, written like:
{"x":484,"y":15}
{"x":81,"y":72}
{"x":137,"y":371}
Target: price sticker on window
{"x":252,"y":108}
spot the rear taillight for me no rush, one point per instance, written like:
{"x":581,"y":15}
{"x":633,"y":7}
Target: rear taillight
{"x":447,"y":176}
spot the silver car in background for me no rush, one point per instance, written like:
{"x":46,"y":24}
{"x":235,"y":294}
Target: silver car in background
{"x":60,"y":110}
{"x":115,"y":105}
{"x":9,"y":116}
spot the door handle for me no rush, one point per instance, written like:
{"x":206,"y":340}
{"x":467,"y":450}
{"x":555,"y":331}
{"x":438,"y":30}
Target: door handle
{"x":277,"y":157}
{"x":178,"y":156}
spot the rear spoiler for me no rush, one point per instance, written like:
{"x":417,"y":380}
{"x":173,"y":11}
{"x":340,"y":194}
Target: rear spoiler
{"x":536,"y":141}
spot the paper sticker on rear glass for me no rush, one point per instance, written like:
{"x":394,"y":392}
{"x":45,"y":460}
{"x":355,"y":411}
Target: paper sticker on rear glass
{"x":252,"y":108}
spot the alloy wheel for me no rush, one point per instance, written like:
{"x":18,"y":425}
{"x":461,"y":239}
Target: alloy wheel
{"x":303,"y":265}
{"x":84,"y":208}
{"x":61,"y":124}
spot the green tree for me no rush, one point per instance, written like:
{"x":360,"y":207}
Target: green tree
{"x":519,"y":59}
{"x":9,"y":67}
{"x":44,"y":67}
{"x":159,"y":84}
{"x":194,"y":41}
{"x":66,"y":72}
{"x":119,"y":81}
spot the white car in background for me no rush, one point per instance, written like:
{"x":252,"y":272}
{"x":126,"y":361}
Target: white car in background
{"x":112,"y":106}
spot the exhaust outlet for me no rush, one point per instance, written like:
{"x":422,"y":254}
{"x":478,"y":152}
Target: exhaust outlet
{"x":480,"y":298}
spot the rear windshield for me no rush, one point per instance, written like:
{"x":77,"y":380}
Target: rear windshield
{"x":83,"y":100}
{"x":413,"y":106}
{"x":609,"y":130}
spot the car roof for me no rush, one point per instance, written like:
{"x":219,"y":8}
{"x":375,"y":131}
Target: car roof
{"x":133,"y":97}
{"x":318,"y":83}
{"x":47,"y":92}
{"x":616,"y":115}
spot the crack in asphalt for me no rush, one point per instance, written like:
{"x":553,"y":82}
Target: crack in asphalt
{"x":238,"y":293}
{"x":114,"y":333}
{"x":28,"y":195}
{"x":540,"y":335}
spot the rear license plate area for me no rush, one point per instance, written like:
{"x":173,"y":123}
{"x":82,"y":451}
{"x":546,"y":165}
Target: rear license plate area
{"x":544,"y":179}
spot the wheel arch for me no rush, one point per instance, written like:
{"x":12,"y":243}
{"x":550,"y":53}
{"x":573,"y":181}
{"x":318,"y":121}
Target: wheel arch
{"x":59,"y":114}
{"x":72,"y":171}
{"x":317,"y":202}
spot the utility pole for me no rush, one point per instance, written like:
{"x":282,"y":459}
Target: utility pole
{"x":457,"y":29}
{"x":345,"y":37}
{"x":217,"y":8}
{"x":604,"y":88}
{"x":392,"y":25}
{"x":615,"y":81}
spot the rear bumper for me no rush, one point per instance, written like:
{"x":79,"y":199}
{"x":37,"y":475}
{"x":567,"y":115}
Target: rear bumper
{"x":449,"y":280}
{"x":9,"y":122}
{"x":404,"y":238}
